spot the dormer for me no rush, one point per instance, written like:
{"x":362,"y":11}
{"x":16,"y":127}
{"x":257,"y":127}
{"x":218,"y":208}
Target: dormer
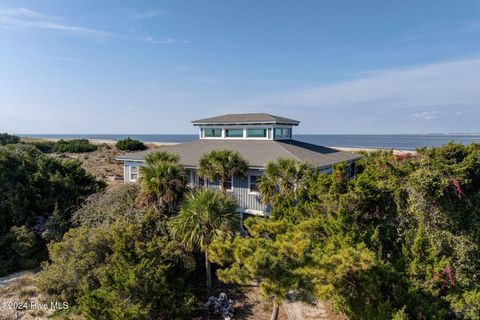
{"x":251,"y":126}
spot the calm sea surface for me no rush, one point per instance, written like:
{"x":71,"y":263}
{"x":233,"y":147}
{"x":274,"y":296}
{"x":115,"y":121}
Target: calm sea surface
{"x":393,"y":141}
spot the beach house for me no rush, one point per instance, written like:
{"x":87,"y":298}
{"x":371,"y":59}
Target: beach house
{"x":259,"y":138}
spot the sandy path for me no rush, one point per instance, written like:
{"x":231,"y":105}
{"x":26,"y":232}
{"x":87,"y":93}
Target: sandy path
{"x":300,"y":311}
{"x":11,"y":277}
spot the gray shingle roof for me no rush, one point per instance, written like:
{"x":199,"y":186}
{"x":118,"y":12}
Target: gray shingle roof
{"x":246,"y":118}
{"x":256,"y":152}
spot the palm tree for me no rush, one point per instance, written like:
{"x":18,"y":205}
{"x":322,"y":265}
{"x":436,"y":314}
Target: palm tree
{"x":222,"y":165}
{"x":205,"y":215}
{"x":281,"y":177}
{"x":161,"y":155}
{"x":164,"y":182}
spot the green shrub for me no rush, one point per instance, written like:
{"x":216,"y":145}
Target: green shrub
{"x":103,"y":209}
{"x":130,"y":145}
{"x":75,"y":262}
{"x":37,"y":197}
{"x":44,"y":146}
{"x":399,"y":241}
{"x":74,"y":146}
{"x":146,"y":277}
{"x":6,"y":138}
{"x":124,"y":270}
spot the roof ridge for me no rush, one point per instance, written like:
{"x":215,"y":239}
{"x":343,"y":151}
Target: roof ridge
{"x":278,"y":142}
{"x":272,"y":116}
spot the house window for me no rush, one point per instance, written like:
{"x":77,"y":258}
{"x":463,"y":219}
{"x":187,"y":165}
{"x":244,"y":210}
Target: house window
{"x":212,"y":133}
{"x":326,"y":170}
{"x":283,"y":133}
{"x":212,"y":183}
{"x":229,"y":184}
{"x":133,"y":173}
{"x":234,"y":133}
{"x":253,"y":183}
{"x":201,"y":182}
{"x":256,"y":133}
{"x":189,"y":176}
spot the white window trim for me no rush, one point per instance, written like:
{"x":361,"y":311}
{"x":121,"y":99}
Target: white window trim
{"x":222,"y":133}
{"x":205,"y":182}
{"x":130,"y":173}
{"x":269,"y":128}
{"x":255,"y":212}
{"x":190,"y":178}
{"x":249,"y":185}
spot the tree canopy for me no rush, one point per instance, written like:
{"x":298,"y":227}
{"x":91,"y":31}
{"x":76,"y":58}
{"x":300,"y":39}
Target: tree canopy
{"x":400,"y":240}
{"x":38,"y":194}
{"x":222,"y":165}
{"x":205,"y":215}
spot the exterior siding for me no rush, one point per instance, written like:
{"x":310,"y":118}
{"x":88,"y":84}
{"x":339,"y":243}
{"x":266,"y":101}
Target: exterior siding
{"x":248,"y":202}
{"x":246,"y":199}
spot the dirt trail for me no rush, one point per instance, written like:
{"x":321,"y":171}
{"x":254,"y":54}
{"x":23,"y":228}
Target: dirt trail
{"x":296,"y":310}
{"x":11,"y":277}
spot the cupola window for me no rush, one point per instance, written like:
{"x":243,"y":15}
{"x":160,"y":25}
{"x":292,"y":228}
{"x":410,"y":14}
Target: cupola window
{"x":283,"y":133}
{"x":234,"y":133}
{"x":257,"y":133}
{"x":212,"y":133}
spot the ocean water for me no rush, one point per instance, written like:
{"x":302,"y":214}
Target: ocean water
{"x":391,"y":141}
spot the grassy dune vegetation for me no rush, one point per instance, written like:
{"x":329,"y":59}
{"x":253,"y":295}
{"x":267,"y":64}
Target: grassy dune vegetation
{"x":399,"y":241}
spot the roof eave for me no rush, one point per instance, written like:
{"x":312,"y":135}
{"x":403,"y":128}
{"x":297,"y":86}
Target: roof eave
{"x":245,"y":123}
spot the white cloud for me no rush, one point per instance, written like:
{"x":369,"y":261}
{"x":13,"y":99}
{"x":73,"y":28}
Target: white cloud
{"x":23,"y":18}
{"x":26,"y":18}
{"x":21,"y":12}
{"x":207,"y":80}
{"x":428,"y":115}
{"x":164,"y":41}
{"x":147,"y":14}
{"x":454,"y":83}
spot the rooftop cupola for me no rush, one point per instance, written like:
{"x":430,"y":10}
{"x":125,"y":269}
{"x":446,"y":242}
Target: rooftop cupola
{"x":252,"y":126}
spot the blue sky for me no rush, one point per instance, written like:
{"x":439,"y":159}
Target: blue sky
{"x":152,"y":66}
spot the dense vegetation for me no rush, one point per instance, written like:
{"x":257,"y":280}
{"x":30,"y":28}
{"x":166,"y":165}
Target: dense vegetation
{"x":130,"y":144}
{"x":74,"y":146}
{"x":120,"y":262}
{"x":44,"y":146}
{"x":6,"y":138}
{"x":399,"y":241}
{"x":131,"y":254}
{"x":71,"y":145}
{"x":61,"y":146}
{"x":37,"y":196}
